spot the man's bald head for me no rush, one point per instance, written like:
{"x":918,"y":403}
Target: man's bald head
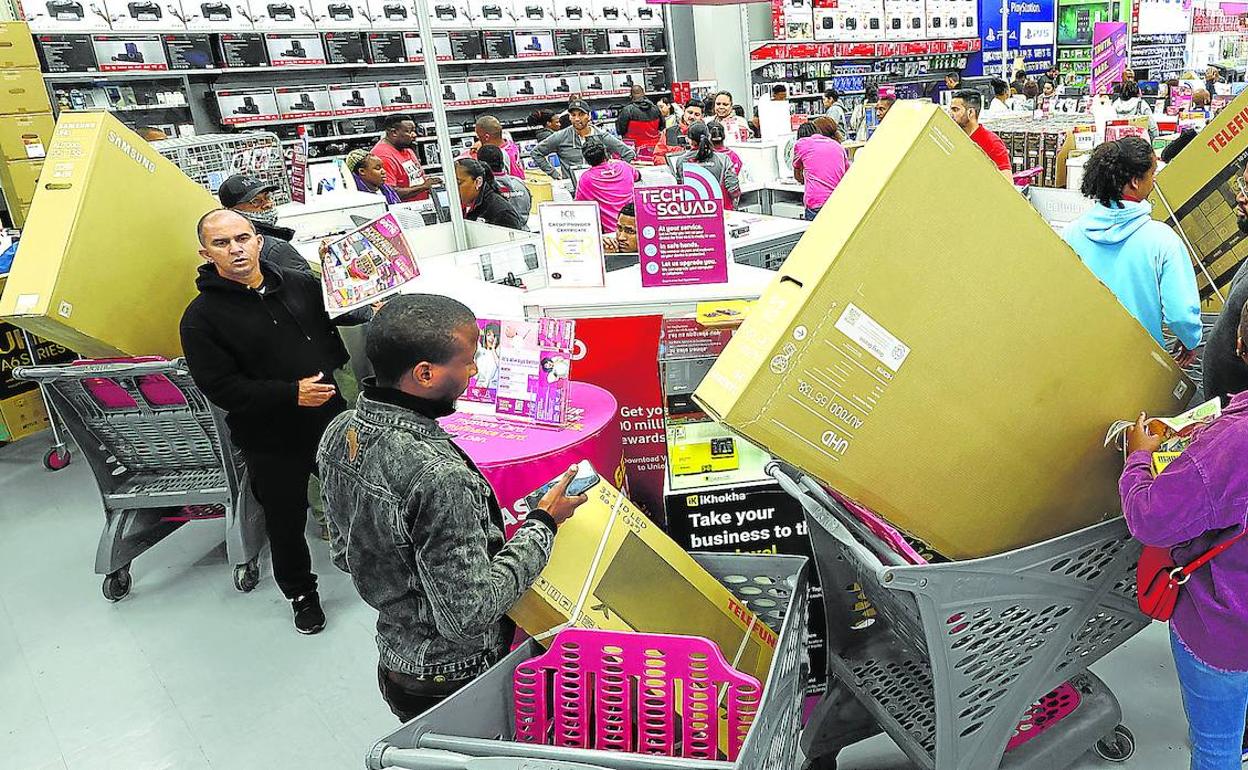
{"x":636,"y":93}
{"x":220,"y":216}
{"x":230,"y":243}
{"x":488,"y":127}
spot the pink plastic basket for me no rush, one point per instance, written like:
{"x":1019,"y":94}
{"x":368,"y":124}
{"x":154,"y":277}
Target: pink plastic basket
{"x":157,"y":389}
{"x":1051,"y":709}
{"x":618,"y":691}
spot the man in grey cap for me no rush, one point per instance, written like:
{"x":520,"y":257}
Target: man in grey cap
{"x":567,"y":143}
{"x":252,"y":198}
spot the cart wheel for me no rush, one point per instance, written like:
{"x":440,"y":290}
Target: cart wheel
{"x":247,"y":576}
{"x":1118,"y":746}
{"x":55,"y":459}
{"x":117,"y":584}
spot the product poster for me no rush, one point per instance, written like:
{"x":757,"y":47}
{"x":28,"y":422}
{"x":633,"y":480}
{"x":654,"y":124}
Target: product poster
{"x":572,"y":236}
{"x":1030,"y":34}
{"x":680,"y":232}
{"x":1109,"y":55}
{"x":366,"y":265}
{"x":605,"y":347}
{"x":523,"y":368}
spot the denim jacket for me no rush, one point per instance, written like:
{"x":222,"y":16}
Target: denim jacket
{"x":420,"y":531}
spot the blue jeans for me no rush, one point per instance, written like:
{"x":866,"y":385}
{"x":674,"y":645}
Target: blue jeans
{"x":1216,"y":703}
{"x":812,"y":213}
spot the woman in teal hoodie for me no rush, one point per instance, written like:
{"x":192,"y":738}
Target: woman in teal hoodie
{"x":1142,"y":261}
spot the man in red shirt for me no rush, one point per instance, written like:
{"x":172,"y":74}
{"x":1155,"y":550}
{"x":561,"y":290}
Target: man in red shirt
{"x":397,"y":151}
{"x":964,"y":109}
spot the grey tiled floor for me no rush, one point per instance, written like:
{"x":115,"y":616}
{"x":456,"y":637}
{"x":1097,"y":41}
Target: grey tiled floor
{"x":188,"y":674}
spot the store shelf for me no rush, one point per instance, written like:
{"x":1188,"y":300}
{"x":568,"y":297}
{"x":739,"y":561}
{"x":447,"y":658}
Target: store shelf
{"x":781,"y":51}
{"x":449,"y":108}
{"x":803,"y":97}
{"x":72,"y":76}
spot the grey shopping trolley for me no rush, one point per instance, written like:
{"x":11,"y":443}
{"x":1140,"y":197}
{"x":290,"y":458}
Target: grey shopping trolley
{"x":959,"y":661}
{"x":475,"y":727}
{"x":161,"y":456}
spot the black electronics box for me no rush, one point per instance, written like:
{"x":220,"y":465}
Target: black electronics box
{"x":241,"y":49}
{"x":343,"y":47}
{"x":189,"y":51}
{"x":66,"y":53}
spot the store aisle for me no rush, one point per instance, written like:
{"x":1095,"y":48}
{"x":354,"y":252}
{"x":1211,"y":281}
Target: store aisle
{"x":188,"y":674}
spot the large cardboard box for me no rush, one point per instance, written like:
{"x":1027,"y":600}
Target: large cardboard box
{"x":957,"y":383}
{"x":72,"y":281}
{"x":22,"y":415}
{"x":25,"y":137}
{"x":613,"y":568}
{"x":1198,"y":188}
{"x":17,"y":47}
{"x":22,"y":91}
{"x":19,"y":178}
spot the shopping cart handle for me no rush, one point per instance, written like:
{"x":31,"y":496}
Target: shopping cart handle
{"x":786,"y":476}
{"x":85,"y":371}
{"x":433,"y":759}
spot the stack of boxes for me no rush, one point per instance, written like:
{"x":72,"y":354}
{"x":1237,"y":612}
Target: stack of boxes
{"x":1040,"y":143}
{"x":25,"y":118}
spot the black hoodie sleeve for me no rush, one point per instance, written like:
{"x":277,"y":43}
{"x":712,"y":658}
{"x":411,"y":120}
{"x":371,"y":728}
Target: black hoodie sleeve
{"x":217,"y":374}
{"x":623,"y":119}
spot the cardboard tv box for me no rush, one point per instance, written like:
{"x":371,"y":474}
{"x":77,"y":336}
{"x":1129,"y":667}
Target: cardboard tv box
{"x":960,"y":387}
{"x":25,"y":137}
{"x":1199,"y":187}
{"x":59,"y":288}
{"x":625,"y":574}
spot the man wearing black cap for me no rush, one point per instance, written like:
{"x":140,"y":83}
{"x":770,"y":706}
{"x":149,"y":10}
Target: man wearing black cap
{"x":567,"y":143}
{"x":252,"y":198}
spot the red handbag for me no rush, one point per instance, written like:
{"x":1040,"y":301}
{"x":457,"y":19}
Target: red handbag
{"x":1158,"y":578}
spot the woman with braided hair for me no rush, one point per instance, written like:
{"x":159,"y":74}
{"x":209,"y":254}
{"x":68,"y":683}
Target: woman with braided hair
{"x":1142,"y":261}
{"x":370,"y":175}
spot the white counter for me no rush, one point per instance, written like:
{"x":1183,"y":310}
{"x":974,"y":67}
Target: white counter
{"x":625,"y":296}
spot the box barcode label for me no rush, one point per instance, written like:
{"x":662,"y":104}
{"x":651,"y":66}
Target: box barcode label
{"x":872,"y":337}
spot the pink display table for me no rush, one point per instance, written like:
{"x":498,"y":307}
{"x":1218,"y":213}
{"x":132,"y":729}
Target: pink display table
{"x":517,"y":457}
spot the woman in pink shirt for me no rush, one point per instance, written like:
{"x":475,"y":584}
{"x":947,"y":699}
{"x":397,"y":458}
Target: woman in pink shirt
{"x":608,"y":182}
{"x":717,"y":133}
{"x":819,"y":162}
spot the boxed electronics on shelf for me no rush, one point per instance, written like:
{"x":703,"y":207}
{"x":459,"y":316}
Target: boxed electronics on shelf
{"x":1044,"y":143}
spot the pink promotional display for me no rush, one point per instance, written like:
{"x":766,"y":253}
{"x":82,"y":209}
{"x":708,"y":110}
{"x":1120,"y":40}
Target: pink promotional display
{"x":618,"y":691}
{"x":680,"y":231}
{"x":518,"y":457}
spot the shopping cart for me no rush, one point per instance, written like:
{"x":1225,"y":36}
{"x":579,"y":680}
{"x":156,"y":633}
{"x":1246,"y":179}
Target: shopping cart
{"x":958,"y":660}
{"x":161,"y":456}
{"x":475,"y":727}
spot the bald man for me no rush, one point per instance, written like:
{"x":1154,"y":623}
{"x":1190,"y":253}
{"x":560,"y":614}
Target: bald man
{"x":490,"y":131}
{"x":260,"y":345}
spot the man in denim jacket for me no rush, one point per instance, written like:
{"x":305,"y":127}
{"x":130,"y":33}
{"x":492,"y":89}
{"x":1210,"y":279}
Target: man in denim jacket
{"x":412,"y":518}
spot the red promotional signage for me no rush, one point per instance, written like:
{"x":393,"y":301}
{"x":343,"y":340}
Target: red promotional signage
{"x":605,"y":348}
{"x":783,"y":51}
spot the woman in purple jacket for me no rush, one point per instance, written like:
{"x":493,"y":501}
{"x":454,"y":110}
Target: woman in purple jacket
{"x":1198,"y":501}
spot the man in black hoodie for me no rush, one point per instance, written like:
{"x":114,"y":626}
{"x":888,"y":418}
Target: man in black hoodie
{"x":639,"y":120}
{"x":260,"y":345}
{"x":252,"y":198}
